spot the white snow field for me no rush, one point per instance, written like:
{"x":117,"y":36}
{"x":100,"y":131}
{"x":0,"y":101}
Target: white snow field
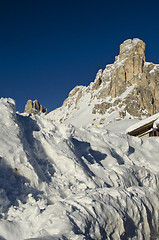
{"x":73,"y":183}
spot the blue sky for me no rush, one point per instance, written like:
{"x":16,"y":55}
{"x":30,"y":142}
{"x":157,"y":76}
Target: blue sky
{"x":48,"y":47}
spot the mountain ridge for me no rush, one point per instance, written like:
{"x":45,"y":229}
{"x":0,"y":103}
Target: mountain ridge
{"x":128,"y":88}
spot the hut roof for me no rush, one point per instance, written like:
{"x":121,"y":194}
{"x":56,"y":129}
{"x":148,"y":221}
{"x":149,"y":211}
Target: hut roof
{"x":143,"y":124}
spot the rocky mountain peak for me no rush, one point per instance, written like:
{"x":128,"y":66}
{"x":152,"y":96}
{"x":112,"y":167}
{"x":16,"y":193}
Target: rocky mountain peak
{"x":132,"y":47}
{"x":34,"y":107}
{"x":127,"y":88}
{"x":128,"y":65}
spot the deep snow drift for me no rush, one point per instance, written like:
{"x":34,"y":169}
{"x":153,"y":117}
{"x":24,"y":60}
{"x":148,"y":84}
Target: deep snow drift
{"x":64,"y":182}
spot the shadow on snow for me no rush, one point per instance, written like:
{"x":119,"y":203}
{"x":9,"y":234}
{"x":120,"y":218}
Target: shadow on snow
{"x":14,"y":186}
{"x":36,"y":154}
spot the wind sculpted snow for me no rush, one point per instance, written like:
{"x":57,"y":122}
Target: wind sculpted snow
{"x":65,"y":182}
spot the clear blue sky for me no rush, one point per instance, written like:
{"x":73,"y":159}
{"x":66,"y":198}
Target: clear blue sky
{"x":48,"y":47}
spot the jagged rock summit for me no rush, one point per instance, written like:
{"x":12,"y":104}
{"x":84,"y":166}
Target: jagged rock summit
{"x":34,"y":107}
{"x":125,"y":89}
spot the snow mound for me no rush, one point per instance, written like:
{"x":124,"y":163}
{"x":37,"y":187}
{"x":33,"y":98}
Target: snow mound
{"x":58,"y":181}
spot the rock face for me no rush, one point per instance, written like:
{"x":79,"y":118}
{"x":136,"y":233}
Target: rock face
{"x":130,"y":69}
{"x":34,"y":107}
{"x":129,"y":86}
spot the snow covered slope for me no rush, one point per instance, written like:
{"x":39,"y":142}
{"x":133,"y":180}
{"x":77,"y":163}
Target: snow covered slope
{"x":64,"y":182}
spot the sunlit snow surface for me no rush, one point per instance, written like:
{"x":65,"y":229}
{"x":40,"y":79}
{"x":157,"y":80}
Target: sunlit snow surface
{"x":65,"y":182}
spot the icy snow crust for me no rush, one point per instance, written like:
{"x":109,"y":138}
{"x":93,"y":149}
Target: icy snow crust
{"x":65,"y":182}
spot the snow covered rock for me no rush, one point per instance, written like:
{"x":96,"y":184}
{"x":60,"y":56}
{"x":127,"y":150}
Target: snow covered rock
{"x":127,"y":88}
